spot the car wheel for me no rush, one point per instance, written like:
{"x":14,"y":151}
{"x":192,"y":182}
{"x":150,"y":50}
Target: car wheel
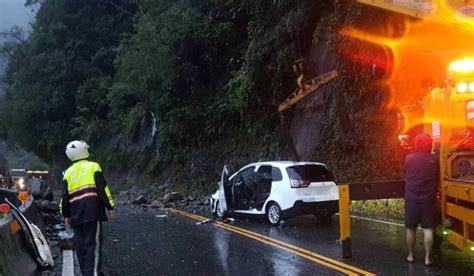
{"x":273,"y":213}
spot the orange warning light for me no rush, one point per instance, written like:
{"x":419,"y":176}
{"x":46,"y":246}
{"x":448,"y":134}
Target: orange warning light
{"x":23,"y":196}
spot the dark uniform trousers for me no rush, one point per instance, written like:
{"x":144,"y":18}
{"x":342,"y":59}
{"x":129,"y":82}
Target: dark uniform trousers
{"x":87,"y":241}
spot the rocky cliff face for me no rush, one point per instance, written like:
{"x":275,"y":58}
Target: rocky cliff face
{"x":347,"y":123}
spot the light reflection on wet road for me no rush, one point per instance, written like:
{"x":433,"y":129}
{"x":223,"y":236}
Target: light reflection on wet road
{"x":151,"y":246}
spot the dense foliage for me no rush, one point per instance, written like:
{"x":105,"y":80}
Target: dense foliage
{"x":197,"y":66}
{"x":73,"y":44}
{"x":210,"y":72}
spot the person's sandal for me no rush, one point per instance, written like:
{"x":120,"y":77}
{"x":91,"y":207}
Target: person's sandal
{"x":430,"y":263}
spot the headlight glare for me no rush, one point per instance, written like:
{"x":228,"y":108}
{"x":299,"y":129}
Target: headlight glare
{"x":462,"y":87}
{"x":471,"y":86}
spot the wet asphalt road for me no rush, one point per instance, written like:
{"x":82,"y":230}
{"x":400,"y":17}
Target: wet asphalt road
{"x":148,"y":245}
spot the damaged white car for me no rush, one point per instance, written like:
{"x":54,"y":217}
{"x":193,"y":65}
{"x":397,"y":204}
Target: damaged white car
{"x":277,"y":190}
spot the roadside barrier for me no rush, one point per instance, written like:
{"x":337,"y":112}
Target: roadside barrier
{"x":15,"y":257}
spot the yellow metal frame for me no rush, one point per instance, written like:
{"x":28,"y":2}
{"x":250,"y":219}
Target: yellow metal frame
{"x":455,"y":188}
{"x":386,"y":5}
{"x":344,"y":213}
{"x":461,"y":242}
{"x":449,"y":104}
{"x":414,"y":10}
{"x":345,"y":221}
{"x":307,"y":88}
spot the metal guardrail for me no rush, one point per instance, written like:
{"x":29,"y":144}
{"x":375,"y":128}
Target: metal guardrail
{"x":362,"y":191}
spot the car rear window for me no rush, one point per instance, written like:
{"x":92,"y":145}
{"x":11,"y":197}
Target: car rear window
{"x":312,"y":173}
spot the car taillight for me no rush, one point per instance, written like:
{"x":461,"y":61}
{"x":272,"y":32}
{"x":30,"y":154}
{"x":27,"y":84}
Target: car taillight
{"x":295,"y":183}
{"x":4,"y":208}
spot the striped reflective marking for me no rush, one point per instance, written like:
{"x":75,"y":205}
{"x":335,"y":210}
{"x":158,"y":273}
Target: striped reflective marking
{"x":82,"y":188}
{"x":83,"y":196}
{"x":97,"y":250}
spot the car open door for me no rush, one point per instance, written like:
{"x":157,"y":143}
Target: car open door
{"x":225,"y":191}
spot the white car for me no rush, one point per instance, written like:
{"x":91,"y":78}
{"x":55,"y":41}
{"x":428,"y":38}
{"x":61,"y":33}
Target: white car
{"x":278,"y":190}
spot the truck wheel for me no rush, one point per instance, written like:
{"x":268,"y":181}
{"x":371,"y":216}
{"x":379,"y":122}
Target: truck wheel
{"x":273,"y":213}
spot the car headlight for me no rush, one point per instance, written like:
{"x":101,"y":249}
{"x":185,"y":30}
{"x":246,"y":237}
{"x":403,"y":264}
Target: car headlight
{"x":471,"y":86}
{"x":462,"y":87}
{"x":21,"y":183}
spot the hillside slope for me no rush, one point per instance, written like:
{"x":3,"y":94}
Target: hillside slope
{"x":169,"y":91}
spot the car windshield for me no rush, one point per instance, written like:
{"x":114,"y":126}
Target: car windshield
{"x":17,"y":174}
{"x":312,"y":173}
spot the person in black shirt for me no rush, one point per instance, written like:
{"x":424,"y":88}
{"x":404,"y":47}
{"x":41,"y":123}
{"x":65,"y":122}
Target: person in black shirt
{"x":422,"y":179}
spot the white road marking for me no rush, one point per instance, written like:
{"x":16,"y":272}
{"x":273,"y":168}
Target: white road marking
{"x":382,"y":221}
{"x":379,"y":221}
{"x":68,"y":263}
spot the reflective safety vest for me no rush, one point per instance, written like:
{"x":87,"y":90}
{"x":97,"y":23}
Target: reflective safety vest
{"x":87,"y":194}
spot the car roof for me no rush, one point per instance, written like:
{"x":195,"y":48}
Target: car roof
{"x":284,"y":164}
{"x":279,"y":164}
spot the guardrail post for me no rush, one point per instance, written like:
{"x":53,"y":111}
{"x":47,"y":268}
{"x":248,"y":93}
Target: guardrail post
{"x":345,"y":221}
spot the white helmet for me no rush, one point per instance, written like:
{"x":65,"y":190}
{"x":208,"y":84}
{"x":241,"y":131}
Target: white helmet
{"x":77,"y":150}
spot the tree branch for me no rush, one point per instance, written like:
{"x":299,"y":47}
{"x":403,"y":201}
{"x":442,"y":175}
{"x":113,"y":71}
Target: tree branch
{"x":120,"y":8}
{"x":139,"y":7}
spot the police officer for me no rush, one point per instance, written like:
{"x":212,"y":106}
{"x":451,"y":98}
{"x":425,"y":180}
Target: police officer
{"x":86,"y":202}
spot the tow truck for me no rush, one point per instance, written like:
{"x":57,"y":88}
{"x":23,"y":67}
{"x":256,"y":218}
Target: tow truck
{"x":449,"y":117}
{"x":446,"y":111}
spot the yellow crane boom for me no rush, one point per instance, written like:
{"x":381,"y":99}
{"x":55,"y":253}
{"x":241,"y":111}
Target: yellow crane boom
{"x":426,"y":9}
{"x":306,"y":88}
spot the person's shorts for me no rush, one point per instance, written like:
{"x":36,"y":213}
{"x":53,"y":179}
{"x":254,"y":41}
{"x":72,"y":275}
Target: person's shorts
{"x":421,"y":212}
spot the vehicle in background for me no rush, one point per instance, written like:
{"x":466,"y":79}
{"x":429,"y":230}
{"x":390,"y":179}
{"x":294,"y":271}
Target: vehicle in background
{"x":277,"y":190}
{"x":5,"y":180}
{"x":19,"y":178}
{"x":37,"y":174}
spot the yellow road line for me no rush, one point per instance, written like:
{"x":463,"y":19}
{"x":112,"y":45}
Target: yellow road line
{"x":312,"y":256}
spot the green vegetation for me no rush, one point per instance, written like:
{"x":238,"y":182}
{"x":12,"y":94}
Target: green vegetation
{"x":211,"y":73}
{"x":384,"y":208}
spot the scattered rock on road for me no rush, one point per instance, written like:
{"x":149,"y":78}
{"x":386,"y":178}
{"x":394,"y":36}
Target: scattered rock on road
{"x":171,"y":197}
{"x":47,"y":206}
{"x":139,"y":200}
{"x":52,"y":218}
{"x":156,"y":204}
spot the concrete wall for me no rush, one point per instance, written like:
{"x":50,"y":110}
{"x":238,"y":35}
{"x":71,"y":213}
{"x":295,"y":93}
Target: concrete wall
{"x":15,"y":257}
